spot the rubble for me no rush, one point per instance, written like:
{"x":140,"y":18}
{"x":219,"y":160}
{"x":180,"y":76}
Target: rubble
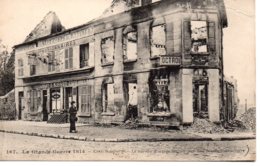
{"x":249,"y":119}
{"x":204,"y":126}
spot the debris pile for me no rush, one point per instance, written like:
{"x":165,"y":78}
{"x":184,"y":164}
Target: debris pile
{"x":205,"y":126}
{"x":249,"y":119}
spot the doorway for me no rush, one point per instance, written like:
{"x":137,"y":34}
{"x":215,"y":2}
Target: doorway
{"x":21,"y":105}
{"x":55,"y":103}
{"x":132,"y":111}
{"x":44,"y":105}
{"x":68,"y":97}
{"x":200,"y":100}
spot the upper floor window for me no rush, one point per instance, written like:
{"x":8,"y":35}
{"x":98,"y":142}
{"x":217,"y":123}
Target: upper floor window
{"x":107,"y":50}
{"x":69,"y":58}
{"x":130,"y":46}
{"x":20,"y":67}
{"x":158,"y":41}
{"x":51,"y":61}
{"x":32,"y":61}
{"x":199,"y":37}
{"x":84,"y":55}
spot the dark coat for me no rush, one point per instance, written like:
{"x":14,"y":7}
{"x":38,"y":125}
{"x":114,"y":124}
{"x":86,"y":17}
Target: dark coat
{"x":73,"y":113}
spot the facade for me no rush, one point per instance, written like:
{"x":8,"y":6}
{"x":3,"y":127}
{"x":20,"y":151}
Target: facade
{"x":163,"y":57}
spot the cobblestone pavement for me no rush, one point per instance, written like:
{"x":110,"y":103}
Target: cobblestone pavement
{"x":22,"y":147}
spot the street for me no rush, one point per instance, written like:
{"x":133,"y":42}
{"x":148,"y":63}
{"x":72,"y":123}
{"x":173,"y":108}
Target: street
{"x":22,"y":147}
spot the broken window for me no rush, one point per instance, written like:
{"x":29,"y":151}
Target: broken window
{"x":108,"y":97}
{"x":130,"y":46}
{"x":51,"y":61}
{"x":199,"y":36}
{"x":69,"y":58}
{"x":84,"y":55}
{"x":159,"y":92}
{"x":107,"y":49}
{"x":20,"y":67}
{"x":158,"y":41}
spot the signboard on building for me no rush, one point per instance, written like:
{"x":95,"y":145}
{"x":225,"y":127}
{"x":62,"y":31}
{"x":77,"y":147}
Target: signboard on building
{"x":167,"y":60}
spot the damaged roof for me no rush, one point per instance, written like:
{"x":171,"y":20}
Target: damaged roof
{"x":51,"y":25}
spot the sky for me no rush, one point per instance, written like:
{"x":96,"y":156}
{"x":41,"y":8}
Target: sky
{"x":19,"y":17}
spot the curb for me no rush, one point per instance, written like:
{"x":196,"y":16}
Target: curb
{"x":82,"y":138}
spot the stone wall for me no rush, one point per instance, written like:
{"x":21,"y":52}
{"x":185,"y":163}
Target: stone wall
{"x":7,"y":106}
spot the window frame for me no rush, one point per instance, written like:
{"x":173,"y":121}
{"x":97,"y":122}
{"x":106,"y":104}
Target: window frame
{"x":191,"y":39}
{"x":125,"y":46}
{"x":51,"y":61}
{"x":105,"y":97}
{"x":151,"y":40}
{"x":83,"y":58}
{"x":69,"y":59}
{"x":112,"y":39}
{"x":20,"y":67}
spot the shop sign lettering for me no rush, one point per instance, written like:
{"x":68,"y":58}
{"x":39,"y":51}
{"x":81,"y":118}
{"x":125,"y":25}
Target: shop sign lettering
{"x":170,"y":61}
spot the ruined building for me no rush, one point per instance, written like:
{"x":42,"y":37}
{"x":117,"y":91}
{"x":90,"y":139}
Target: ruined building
{"x":161,"y":58}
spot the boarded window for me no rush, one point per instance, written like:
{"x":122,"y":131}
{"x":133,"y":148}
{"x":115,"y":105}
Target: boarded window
{"x":199,"y":36}
{"x":69,"y":58}
{"x":85,"y":99}
{"x":158,"y":41}
{"x":84,"y":55}
{"x":51,"y":61}
{"x":108,"y":97}
{"x":107,"y":48}
{"x":20,"y":67}
{"x":130,"y":46}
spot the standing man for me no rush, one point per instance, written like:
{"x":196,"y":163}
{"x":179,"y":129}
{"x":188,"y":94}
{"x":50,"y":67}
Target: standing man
{"x":132,"y":104}
{"x":73,"y":117}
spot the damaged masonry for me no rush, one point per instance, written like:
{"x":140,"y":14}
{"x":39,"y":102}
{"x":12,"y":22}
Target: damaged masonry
{"x":159,"y":62}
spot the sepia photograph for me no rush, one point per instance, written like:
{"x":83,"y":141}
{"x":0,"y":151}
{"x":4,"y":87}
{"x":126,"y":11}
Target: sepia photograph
{"x":127,"y":80}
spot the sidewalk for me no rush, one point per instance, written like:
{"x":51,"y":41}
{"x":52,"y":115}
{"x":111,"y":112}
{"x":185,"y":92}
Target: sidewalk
{"x":111,"y":134}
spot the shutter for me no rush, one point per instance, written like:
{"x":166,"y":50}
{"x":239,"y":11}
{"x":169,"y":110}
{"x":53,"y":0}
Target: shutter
{"x":187,"y":36}
{"x":66,"y":59}
{"x":70,"y":58}
{"x":66,"y":54}
{"x":54,"y":61}
{"x":91,"y":54}
{"x":211,"y":37}
{"x":49,"y":62}
{"x":86,"y":52}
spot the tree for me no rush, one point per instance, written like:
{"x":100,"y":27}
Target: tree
{"x":6,"y":70}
